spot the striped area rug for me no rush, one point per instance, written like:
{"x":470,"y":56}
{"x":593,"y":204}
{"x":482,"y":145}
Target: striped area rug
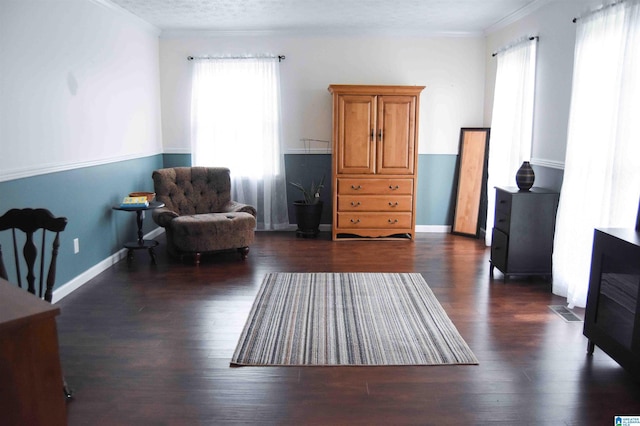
{"x":349,"y":319}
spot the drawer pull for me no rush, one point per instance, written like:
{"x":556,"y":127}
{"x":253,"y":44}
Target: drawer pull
{"x":393,"y":188}
{"x":356,"y":188}
{"x":500,"y":220}
{"x":355,"y":204}
{"x":393,"y":221}
{"x":502,"y":201}
{"x":393,"y":204}
{"x":355,"y":220}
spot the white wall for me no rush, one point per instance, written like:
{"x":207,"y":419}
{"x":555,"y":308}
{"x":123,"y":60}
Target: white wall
{"x":452,"y":69}
{"x":80,"y":86}
{"x":553,"y":24}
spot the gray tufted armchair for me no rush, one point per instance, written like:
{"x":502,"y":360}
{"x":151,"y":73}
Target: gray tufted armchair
{"x":199,"y":215}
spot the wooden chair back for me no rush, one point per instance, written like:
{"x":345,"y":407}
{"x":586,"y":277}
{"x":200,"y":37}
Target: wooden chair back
{"x":29,"y":221}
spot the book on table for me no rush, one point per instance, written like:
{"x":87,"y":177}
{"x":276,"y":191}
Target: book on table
{"x":134,"y":202}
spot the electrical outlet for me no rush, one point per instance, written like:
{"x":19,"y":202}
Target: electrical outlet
{"x":76,"y":246}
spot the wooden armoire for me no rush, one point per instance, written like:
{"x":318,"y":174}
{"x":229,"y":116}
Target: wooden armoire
{"x":375,"y":161}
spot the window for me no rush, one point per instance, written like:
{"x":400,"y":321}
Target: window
{"x":235,"y":123}
{"x":512,"y":119}
{"x":601,"y":183}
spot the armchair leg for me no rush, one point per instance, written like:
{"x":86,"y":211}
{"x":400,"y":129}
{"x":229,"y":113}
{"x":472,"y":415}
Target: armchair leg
{"x":244,"y":252}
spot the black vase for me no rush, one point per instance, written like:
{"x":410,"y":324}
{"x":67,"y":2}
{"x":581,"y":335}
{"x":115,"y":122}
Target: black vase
{"x":525,"y":177}
{"x":308,"y":218}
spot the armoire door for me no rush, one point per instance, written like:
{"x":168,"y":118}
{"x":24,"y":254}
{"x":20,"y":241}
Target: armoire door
{"x":355,"y":134}
{"x":396,"y":134}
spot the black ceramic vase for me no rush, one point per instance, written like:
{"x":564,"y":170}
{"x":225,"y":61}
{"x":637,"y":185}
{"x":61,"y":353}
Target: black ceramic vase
{"x":525,"y":177}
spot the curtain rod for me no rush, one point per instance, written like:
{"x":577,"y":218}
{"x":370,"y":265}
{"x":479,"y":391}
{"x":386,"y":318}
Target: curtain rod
{"x":517,"y":42}
{"x":599,"y":9}
{"x":280,"y":57}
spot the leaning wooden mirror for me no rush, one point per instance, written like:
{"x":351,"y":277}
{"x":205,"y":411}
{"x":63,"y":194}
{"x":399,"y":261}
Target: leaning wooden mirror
{"x":472,"y":163}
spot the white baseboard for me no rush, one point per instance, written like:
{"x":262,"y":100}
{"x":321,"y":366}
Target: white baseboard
{"x":77,"y":282}
{"x":435,"y":229}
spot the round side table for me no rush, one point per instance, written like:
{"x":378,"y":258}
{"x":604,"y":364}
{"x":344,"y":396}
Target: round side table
{"x":141,"y":243}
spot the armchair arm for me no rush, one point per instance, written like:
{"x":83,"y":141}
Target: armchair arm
{"x":163,"y":216}
{"x":234,"y":206}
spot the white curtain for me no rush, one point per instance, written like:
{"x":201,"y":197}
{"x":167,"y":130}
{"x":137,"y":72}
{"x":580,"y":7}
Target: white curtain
{"x":512,"y":119}
{"x":235,"y":123}
{"x":601,"y":181}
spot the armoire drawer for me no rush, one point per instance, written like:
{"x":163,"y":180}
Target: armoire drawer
{"x":356,"y":186}
{"x":375,"y":220}
{"x":375,"y":203}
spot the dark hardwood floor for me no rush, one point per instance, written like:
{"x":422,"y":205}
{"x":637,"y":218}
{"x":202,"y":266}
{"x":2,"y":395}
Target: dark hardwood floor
{"x":151,"y":345}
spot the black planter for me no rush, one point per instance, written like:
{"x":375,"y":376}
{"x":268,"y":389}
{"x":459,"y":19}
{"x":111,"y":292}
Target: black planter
{"x":308,"y":218}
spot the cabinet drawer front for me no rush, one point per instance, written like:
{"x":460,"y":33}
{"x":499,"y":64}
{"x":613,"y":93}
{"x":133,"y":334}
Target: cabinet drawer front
{"x":499,"y":249}
{"x":503,"y":201}
{"x":375,"y":186}
{"x":502,"y":221}
{"x":374,"y":220}
{"x":375,"y":203}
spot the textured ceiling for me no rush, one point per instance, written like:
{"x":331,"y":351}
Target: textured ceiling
{"x":426,"y":16}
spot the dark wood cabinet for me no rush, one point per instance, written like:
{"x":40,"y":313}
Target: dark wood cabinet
{"x":612,"y":316}
{"x":31,"y":383}
{"x":522,"y":237}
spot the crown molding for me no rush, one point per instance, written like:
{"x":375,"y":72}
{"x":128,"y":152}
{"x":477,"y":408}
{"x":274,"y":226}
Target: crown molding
{"x":318,"y":32}
{"x":517,"y":15}
{"x":134,"y":19}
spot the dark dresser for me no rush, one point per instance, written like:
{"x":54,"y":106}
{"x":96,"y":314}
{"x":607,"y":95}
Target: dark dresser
{"x":612,"y":316}
{"x":522,"y":236}
{"x":31,"y":383}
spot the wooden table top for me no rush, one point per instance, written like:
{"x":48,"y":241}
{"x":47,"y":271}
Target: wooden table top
{"x":17,"y":306}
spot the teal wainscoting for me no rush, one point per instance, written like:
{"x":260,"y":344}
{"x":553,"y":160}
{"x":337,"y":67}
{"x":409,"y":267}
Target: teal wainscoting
{"x":436,"y":175}
{"x":436,"y":191}
{"x":547,"y":177}
{"x":176,"y":160}
{"x":305,"y":169}
{"x":85,"y":196}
